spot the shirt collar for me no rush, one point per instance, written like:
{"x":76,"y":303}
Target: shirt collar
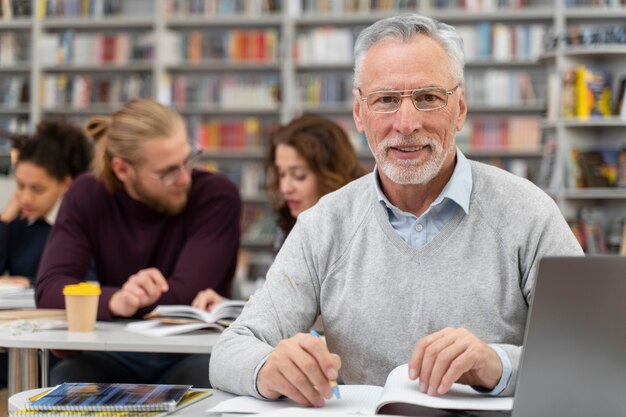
{"x":458,"y":188}
{"x":52,"y":214}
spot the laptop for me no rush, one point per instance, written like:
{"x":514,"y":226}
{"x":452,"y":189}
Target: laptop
{"x":574,"y":358}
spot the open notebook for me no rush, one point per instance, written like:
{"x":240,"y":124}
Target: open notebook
{"x":371,"y":399}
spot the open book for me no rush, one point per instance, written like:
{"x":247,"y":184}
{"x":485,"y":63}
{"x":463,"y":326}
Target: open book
{"x":166,"y":320}
{"x":399,"y":396}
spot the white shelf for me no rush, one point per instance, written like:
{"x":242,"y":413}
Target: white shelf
{"x":604,"y":51}
{"x":530,"y":14}
{"x":200,"y":22}
{"x":590,"y":13}
{"x":507,"y":109}
{"x":224,"y":65}
{"x":92,"y":109}
{"x":113,"y":23}
{"x":16,"y":68}
{"x":595,"y":194}
{"x":503,"y":153}
{"x":448,"y":15}
{"x":15,"y":111}
{"x":19,"y":23}
{"x":592,"y":123}
{"x":103,"y":67}
{"x":219,"y":111}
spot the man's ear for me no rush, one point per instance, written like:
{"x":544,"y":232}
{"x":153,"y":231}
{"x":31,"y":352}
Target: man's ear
{"x":121,"y":168}
{"x":356,"y":110}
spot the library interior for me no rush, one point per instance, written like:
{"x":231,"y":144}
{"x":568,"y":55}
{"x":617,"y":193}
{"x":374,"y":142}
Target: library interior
{"x":544,"y":82}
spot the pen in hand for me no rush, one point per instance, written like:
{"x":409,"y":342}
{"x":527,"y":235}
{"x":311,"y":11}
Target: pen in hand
{"x":333,"y":384}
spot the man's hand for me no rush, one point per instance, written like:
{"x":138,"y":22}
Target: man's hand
{"x":15,"y":279}
{"x":140,"y":290}
{"x":11,"y":211}
{"x":299,"y":368}
{"x":207,"y":300}
{"x":453,"y":355}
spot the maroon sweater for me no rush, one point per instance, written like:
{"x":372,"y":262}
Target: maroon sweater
{"x":194,"y":250}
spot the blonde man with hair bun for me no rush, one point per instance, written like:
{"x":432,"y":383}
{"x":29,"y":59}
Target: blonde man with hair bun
{"x":158,"y":230}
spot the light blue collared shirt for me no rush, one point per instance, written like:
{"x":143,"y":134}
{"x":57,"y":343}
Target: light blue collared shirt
{"x":419,"y":231}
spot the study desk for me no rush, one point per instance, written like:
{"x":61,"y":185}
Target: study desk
{"x":28,"y":354}
{"x":194,"y":410}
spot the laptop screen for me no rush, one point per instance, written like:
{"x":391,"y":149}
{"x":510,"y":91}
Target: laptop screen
{"x":574,"y":358}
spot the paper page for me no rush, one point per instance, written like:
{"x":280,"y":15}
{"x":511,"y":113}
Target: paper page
{"x":308,"y":412}
{"x":156,"y":328}
{"x":354,"y":399}
{"x":400,"y":389}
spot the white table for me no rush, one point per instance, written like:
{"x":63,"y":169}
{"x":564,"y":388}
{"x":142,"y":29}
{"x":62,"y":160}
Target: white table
{"x":199,"y":408}
{"x":28,"y":352}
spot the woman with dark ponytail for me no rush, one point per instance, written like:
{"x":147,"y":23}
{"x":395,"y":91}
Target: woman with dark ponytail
{"x":47,"y":162}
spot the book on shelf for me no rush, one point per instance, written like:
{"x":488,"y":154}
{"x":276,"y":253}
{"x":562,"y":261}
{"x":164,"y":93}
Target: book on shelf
{"x":167,"y":320}
{"x":191,"y":396}
{"x":598,"y":168}
{"x":399,"y":396}
{"x":593,"y":92}
{"x":620,"y":108}
{"x":589,"y":230}
{"x":10,"y":9}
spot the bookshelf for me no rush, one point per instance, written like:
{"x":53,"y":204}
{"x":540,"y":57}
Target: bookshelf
{"x":588,"y":165}
{"x":235,"y":69}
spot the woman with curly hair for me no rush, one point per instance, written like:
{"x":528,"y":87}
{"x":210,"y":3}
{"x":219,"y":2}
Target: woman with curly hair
{"x":47,"y":162}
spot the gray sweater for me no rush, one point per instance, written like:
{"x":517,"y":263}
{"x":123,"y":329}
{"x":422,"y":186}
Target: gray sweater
{"x":377,"y":295}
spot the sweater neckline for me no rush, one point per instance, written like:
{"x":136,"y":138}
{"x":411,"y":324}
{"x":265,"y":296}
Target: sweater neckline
{"x":415,"y":254}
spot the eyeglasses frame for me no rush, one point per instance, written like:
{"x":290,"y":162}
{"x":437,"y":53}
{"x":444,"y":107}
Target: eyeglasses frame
{"x":187,"y":165}
{"x":408,"y":93}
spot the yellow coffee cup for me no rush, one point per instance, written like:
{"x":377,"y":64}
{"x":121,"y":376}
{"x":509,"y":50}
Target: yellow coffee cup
{"x":81,"y":306}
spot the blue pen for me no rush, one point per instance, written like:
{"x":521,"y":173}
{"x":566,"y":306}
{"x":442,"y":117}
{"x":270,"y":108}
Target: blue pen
{"x":333,"y":383}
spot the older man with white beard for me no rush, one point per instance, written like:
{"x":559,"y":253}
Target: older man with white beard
{"x":429,"y":260}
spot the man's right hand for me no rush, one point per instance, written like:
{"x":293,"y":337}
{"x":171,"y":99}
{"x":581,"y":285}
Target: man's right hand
{"x":141,"y":289}
{"x":299,"y":368}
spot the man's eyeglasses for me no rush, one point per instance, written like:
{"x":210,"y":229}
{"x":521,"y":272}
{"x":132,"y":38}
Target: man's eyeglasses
{"x":424,"y":99}
{"x":171,"y":175}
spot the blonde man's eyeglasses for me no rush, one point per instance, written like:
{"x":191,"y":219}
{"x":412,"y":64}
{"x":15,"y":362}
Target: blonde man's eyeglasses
{"x":171,"y":175}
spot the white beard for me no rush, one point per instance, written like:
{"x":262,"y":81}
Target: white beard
{"x":411,"y":171}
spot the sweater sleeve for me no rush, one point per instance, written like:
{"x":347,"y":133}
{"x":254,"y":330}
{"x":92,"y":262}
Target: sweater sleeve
{"x":548,"y":235}
{"x":67,"y":255}
{"x":209,"y":256}
{"x":285,"y":305}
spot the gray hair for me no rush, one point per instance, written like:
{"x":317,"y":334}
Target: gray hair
{"x":403,"y":28}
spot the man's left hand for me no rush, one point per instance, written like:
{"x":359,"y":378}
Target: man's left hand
{"x":207,"y":300}
{"x":453,"y":355}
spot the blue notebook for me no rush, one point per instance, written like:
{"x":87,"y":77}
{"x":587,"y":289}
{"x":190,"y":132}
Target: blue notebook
{"x":110,"y":397}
